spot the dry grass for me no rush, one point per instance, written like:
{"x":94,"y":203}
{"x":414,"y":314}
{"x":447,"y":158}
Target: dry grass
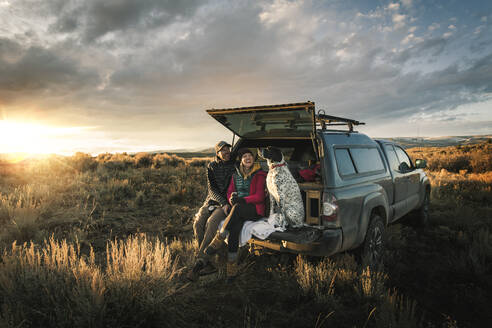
{"x":76,"y":196}
{"x":57,"y":285}
{"x":475,"y":187}
{"x":473,"y":158}
{"x":105,"y":242}
{"x":330,"y":281}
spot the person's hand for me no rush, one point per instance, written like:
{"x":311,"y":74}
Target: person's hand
{"x":226,"y":209}
{"x":233,"y":198}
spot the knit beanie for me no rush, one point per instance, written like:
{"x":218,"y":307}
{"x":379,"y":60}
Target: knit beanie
{"x":243,"y":151}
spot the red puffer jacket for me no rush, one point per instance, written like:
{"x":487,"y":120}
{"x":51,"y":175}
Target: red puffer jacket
{"x":256,"y":191}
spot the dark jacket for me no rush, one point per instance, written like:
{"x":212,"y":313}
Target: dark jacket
{"x":218,"y":176}
{"x":256,"y":191}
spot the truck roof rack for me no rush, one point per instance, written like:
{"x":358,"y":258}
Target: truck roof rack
{"x":329,"y":120}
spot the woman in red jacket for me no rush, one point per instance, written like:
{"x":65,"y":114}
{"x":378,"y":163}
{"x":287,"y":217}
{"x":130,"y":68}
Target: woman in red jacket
{"x":246,"y":194}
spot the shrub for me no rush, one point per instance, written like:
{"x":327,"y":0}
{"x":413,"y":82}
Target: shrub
{"x":21,"y":210}
{"x":83,"y":162}
{"x":143,"y":160}
{"x":118,"y":162}
{"x":167,"y":160}
{"x":199,"y":162}
{"x":481,"y":163}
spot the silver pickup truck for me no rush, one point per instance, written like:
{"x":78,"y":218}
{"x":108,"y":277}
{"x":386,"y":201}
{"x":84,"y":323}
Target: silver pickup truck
{"x":360,"y":185}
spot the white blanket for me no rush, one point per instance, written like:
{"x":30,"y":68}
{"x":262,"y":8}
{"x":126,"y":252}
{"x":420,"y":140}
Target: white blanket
{"x":260,"y":229}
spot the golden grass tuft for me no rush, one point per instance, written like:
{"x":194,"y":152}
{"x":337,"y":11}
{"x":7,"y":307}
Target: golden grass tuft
{"x":56,"y":284}
{"x":453,"y":186}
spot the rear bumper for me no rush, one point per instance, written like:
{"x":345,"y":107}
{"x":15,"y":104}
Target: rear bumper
{"x":329,"y":243}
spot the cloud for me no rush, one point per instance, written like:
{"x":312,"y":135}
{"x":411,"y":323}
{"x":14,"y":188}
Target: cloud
{"x":433,"y":26}
{"x":447,"y":88}
{"x":394,"y":6}
{"x":407,"y":3}
{"x":421,"y":51}
{"x":478,"y":29}
{"x":398,"y":20}
{"x":409,"y":38}
{"x":372,"y":14}
{"x":35,"y":69}
{"x":94,"y":19}
{"x":141,"y":69}
{"x":447,"y":35}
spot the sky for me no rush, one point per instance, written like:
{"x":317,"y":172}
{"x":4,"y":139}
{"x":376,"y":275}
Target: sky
{"x":121,"y":75}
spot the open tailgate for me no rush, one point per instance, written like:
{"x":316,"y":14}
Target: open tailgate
{"x":260,"y":122}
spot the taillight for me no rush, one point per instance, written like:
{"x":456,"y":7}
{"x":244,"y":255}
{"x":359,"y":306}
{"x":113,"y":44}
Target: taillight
{"x":329,"y":215}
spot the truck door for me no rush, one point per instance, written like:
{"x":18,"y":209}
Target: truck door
{"x":400,"y":180}
{"x":412,"y":178}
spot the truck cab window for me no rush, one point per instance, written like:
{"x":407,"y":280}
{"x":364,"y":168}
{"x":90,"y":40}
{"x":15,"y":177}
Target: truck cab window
{"x":403,"y":157}
{"x":392,"y":158}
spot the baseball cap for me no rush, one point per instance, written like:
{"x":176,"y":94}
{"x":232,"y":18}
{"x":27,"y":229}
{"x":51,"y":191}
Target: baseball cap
{"x":220,"y":145}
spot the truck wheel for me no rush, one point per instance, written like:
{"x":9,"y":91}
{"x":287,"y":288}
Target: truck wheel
{"x":423,"y":211}
{"x":371,"y":251}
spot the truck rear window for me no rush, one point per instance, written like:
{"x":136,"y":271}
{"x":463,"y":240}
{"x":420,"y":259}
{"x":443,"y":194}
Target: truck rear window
{"x":358,"y":160}
{"x":344,"y":162}
{"x":367,"y":159}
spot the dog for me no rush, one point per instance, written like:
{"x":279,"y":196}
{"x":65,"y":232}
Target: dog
{"x":286,"y":207}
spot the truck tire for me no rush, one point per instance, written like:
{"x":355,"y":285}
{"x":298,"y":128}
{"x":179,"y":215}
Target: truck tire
{"x":372,"y":249}
{"x":423,"y":211}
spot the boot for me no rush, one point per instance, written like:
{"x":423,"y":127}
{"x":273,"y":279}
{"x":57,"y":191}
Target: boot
{"x":232,"y":271}
{"x":209,"y":268}
{"x":194,"y":274}
{"x":215,"y":244}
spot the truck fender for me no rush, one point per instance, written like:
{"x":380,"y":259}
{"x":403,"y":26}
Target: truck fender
{"x":374,"y":201}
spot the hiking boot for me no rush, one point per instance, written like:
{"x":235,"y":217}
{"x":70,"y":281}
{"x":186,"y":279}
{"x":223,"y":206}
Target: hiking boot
{"x":194,"y":274}
{"x":215,"y":245}
{"x":232,"y":271}
{"x":209,"y":268}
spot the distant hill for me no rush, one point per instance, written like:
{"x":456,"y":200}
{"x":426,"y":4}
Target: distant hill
{"x":409,"y":142}
{"x":188,"y":153}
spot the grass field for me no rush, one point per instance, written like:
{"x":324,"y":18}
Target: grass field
{"x":105,"y":242}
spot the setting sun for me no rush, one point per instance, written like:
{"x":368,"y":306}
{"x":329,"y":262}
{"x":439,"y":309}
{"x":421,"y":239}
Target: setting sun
{"x":31,"y":138}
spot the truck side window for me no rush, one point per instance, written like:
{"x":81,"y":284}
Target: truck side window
{"x":392,"y":158}
{"x":367,"y":159}
{"x":403,"y":157}
{"x":344,"y":162}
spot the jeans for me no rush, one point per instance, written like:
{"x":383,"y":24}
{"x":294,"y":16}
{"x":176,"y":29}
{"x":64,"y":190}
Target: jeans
{"x":239,"y":214}
{"x":205,"y":226}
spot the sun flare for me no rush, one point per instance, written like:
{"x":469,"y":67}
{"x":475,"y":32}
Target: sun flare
{"x":31,"y":138}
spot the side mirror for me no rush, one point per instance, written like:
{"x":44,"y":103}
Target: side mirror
{"x":420,"y":163}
